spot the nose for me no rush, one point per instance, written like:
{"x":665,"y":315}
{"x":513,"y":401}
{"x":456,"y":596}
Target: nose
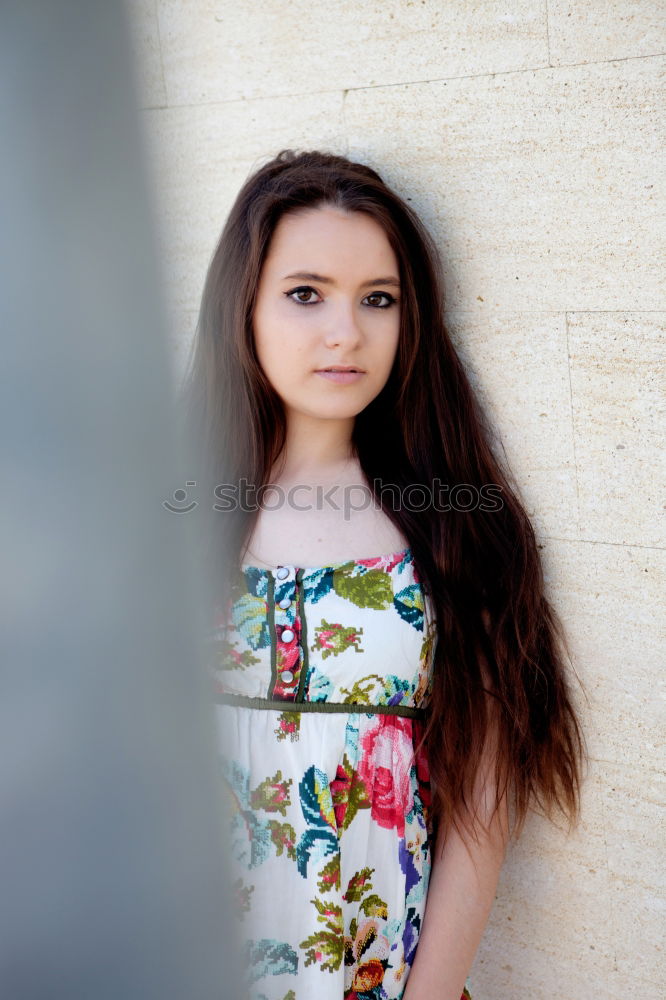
{"x":343,"y":328}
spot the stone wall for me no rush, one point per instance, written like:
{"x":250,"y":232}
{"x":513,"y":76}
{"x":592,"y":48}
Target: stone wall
{"x":527,"y":135}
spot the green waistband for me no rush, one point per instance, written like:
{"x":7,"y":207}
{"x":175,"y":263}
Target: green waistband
{"x":319,"y":706}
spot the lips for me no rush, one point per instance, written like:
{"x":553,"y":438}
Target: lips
{"x":341,"y":368}
{"x":341,"y":376}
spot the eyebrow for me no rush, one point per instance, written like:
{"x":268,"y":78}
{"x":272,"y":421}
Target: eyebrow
{"x":311,"y":276}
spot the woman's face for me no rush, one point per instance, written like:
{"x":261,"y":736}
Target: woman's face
{"x":328,"y":297}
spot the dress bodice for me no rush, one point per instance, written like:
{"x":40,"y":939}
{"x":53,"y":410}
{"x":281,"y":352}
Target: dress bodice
{"x":359,"y":632}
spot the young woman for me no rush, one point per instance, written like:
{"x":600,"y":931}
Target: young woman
{"x":390,"y":676}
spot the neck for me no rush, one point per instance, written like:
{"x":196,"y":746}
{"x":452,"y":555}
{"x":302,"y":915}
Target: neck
{"x":314,"y":447}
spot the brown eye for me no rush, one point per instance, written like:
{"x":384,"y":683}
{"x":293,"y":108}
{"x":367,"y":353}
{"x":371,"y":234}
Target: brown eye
{"x":303,"y":290}
{"x":382,"y":295}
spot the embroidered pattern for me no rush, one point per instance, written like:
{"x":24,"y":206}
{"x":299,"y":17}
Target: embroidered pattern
{"x":335,"y":639}
{"x":329,"y":811}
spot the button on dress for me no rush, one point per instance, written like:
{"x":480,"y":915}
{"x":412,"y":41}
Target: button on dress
{"x":321,"y":679}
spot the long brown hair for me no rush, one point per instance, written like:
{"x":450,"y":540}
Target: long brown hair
{"x":498,"y":662}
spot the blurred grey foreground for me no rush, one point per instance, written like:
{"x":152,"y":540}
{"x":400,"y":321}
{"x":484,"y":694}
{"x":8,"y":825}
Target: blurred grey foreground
{"x":111,"y":859}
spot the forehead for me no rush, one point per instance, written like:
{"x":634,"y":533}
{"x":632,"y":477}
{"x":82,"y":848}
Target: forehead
{"x":325,"y":237}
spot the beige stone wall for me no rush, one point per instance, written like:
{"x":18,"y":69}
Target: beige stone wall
{"x":529,"y":135}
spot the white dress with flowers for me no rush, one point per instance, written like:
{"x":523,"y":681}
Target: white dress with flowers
{"x":322,"y":675}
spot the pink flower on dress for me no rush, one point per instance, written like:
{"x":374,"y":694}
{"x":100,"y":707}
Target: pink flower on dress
{"x":386,"y":562}
{"x":385,"y":766}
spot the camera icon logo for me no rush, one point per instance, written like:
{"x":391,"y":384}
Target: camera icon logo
{"x":180,"y":496}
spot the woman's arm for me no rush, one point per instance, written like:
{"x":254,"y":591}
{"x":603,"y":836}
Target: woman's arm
{"x":462,"y":888}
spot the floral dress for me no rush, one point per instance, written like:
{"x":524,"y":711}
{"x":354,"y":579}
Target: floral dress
{"x":321,"y":679}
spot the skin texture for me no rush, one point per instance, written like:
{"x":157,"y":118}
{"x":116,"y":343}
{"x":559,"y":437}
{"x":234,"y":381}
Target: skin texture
{"x":342,"y":323}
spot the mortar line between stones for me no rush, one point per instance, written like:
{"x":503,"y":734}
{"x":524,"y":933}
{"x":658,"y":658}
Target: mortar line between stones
{"x":547,"y":33}
{"x":573,"y":427}
{"x":159,"y":46}
{"x":404,"y":83}
{"x":344,"y":120}
{"x":600,"y":541}
{"x":611,"y":906}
